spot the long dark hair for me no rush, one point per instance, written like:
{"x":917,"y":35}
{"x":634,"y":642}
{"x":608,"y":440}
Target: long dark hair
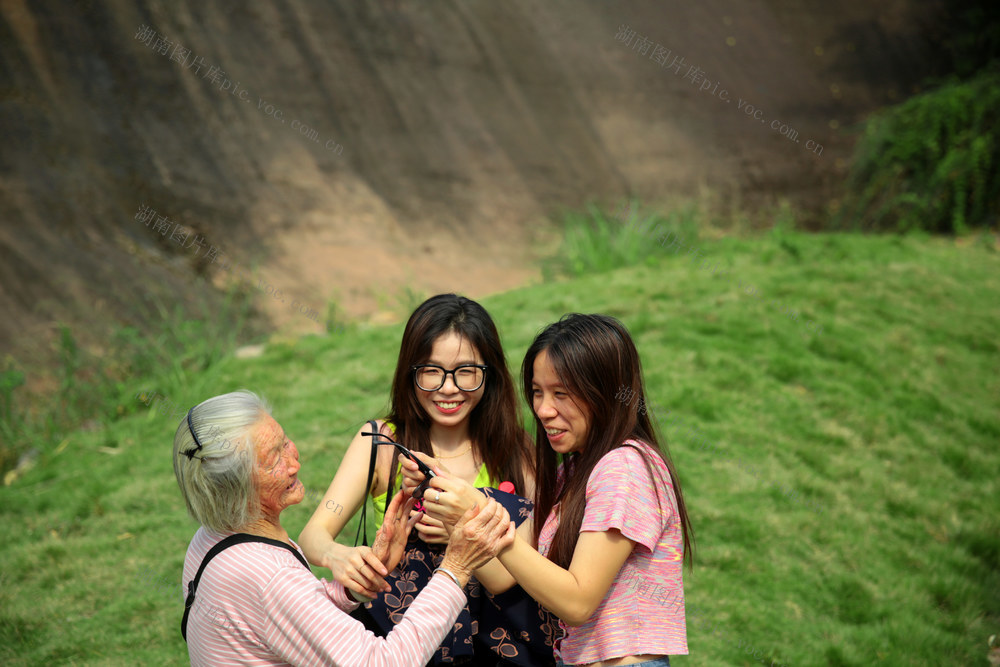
{"x":494,"y":426}
{"x":594,"y":358}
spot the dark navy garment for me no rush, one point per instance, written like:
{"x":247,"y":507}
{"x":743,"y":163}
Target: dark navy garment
{"x":511,"y":625}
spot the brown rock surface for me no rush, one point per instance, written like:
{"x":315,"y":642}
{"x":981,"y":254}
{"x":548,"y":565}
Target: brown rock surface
{"x":456,"y":129}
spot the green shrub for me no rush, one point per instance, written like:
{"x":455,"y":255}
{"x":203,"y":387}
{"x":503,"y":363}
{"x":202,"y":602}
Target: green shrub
{"x":930,"y":163}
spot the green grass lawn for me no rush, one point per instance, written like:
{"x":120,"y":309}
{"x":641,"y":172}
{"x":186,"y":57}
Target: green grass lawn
{"x":842,"y":484}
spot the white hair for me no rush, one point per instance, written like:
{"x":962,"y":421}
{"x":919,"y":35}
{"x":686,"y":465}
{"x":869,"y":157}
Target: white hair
{"x":217,"y":481}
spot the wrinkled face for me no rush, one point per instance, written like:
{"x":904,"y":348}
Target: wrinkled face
{"x":566,"y":421}
{"x":276,"y":468}
{"x":449,"y":405}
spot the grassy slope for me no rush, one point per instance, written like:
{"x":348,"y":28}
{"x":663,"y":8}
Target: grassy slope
{"x":885,"y":424}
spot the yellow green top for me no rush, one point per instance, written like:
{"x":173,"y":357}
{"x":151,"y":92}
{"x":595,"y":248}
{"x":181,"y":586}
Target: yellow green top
{"x":379,"y":501}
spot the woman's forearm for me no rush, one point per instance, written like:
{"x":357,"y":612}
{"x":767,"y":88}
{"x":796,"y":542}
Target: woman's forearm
{"x":318,"y":544}
{"x":574,"y":594}
{"x":551,"y":586}
{"x":495,"y":577}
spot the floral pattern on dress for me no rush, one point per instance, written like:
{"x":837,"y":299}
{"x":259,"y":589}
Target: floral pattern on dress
{"x":511,"y":624}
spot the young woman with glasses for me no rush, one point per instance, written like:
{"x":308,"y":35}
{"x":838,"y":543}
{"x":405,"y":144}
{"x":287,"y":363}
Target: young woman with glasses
{"x":452,"y":400}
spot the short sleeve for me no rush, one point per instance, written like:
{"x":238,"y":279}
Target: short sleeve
{"x":621,"y":495}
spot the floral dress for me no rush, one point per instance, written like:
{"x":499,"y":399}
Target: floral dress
{"x":510,"y":624}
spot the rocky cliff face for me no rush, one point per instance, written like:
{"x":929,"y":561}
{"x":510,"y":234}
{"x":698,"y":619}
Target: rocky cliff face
{"x":341,"y":149}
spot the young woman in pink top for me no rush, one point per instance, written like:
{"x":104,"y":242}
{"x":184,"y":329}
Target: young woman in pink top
{"x":604,"y":547}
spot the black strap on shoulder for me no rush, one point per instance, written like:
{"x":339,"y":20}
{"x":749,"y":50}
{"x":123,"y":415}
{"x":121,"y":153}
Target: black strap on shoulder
{"x":362,"y":527}
{"x":220,"y":546}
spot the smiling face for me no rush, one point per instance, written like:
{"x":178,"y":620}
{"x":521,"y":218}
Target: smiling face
{"x":450,"y":406}
{"x":566,"y":420}
{"x":277,"y":467}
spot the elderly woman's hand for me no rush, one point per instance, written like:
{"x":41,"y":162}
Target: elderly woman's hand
{"x":478,"y":537}
{"x":390,"y":541}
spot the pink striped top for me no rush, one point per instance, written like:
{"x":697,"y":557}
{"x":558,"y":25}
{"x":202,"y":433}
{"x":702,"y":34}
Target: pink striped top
{"x":257,"y":605}
{"x":643,"y":611}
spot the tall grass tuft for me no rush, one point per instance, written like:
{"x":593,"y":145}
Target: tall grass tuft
{"x":595,"y":242}
{"x":11,"y":416}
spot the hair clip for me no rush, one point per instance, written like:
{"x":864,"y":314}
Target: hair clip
{"x":191,"y":452}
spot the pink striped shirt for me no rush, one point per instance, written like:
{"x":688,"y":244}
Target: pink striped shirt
{"x":643,"y":611}
{"x":257,"y":605}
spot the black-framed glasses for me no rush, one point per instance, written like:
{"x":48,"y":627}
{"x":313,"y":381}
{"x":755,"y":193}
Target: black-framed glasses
{"x":467,"y":377}
{"x":380,"y":439}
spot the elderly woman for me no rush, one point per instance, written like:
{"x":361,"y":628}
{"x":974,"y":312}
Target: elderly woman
{"x":252,"y":599}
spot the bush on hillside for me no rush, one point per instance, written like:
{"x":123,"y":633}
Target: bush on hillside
{"x":931,"y":163}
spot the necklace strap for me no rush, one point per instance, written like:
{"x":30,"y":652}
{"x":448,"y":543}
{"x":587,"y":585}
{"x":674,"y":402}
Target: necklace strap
{"x":454,"y":456}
